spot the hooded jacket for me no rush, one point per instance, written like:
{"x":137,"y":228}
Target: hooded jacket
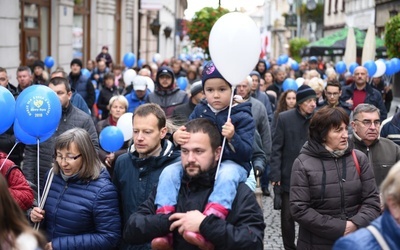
{"x":242,"y":229}
{"x":136,"y":177}
{"x":168,"y":98}
{"x":326,"y":191}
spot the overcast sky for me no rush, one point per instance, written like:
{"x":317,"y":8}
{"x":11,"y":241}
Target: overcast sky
{"x":196,"y":5}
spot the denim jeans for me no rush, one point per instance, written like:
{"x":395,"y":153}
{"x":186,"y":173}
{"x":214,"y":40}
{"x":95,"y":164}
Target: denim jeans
{"x":225,"y":187}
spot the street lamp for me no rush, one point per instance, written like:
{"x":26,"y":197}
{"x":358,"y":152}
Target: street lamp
{"x":167,"y":32}
{"x":155,"y":27}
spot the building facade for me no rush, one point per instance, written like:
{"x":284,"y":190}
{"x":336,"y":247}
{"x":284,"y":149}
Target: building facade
{"x":67,"y":29}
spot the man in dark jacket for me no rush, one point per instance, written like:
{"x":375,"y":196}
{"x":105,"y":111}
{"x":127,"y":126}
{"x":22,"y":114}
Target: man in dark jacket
{"x":81,"y":84}
{"x":71,"y":117}
{"x":182,"y":112}
{"x":136,"y":172}
{"x":382,"y":153}
{"x":290,"y":135}
{"x":166,"y":93}
{"x":243,"y":228}
{"x":361,"y":92}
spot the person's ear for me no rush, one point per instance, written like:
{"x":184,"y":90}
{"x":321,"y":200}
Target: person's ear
{"x":163,"y":132}
{"x":218,"y":153}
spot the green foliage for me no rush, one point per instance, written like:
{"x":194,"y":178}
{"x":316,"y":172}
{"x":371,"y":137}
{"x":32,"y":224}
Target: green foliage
{"x":296,"y":44}
{"x":200,"y":26}
{"x":392,"y":37}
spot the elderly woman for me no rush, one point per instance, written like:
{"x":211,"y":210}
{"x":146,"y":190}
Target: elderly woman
{"x":329,"y":198}
{"x":118,"y":105}
{"x":81,"y":210}
{"x":388,"y":224}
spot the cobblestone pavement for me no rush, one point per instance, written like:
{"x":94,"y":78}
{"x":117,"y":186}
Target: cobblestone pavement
{"x":272,"y":219}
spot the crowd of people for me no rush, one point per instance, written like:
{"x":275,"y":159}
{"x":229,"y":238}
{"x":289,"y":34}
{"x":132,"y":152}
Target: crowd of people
{"x":186,"y":178}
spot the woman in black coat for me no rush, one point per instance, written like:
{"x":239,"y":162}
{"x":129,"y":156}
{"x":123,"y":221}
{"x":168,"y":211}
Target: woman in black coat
{"x":330,"y":196}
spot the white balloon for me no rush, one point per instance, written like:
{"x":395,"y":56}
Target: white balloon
{"x":235,"y":46}
{"x":125,"y":124}
{"x":300,"y":81}
{"x":129,"y":75}
{"x":150,"y":83}
{"x":157,"y":58}
{"x":380,"y":68}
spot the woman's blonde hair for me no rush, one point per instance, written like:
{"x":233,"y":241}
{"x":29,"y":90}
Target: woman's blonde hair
{"x":122,"y":99}
{"x":390,"y":187}
{"x":91,"y":164}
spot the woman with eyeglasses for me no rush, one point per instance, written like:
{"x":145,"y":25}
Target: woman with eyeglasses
{"x":81,"y":209}
{"x":329,"y":197}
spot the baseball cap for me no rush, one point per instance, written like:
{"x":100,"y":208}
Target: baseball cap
{"x":139,"y":83}
{"x":313,"y":59}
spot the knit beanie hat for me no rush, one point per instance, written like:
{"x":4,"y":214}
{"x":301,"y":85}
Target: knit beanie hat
{"x":210,"y":71}
{"x":196,"y":88}
{"x":304,"y":92}
{"x":255,"y":73}
{"x":38,"y":63}
{"x":76,"y":61}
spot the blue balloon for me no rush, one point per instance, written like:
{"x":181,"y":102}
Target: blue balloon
{"x":38,"y":110}
{"x":141,"y":62}
{"x":129,"y":59}
{"x":27,"y":139}
{"x":294,"y":65}
{"x":289,"y":83}
{"x":396,"y":64}
{"x":371,"y":67}
{"x":7,"y":109}
{"x":86,"y":73}
{"x":390,"y":68}
{"x":267,"y":65}
{"x":340,"y":67}
{"x":111,"y":138}
{"x":49,"y":61}
{"x":182,"y":82}
{"x":285,"y":58}
{"x":352,"y":67}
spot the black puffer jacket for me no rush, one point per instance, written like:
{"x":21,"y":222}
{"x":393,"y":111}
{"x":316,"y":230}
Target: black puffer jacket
{"x":242,"y":229}
{"x":326,"y":191}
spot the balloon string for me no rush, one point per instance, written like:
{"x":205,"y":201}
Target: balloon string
{"x":224,"y":140}
{"x":8,"y":155}
{"x":37,"y":172}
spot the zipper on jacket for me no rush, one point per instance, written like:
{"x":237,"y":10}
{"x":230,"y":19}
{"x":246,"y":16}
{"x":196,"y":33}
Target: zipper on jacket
{"x":342,"y":210}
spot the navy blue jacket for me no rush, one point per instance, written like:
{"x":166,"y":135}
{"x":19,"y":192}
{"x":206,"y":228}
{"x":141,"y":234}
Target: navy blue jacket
{"x":363,"y":239}
{"x":373,"y":97}
{"x":84,"y":87}
{"x":136,"y":177}
{"x":240,"y":148}
{"x":82,"y":214}
{"x":391,"y":129}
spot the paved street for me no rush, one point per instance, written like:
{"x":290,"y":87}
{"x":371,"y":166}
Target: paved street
{"x":272,"y":219}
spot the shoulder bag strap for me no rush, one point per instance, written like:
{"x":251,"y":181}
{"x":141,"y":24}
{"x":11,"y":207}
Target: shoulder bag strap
{"x":45,"y":193}
{"x":353,"y":152}
{"x":378,"y":236}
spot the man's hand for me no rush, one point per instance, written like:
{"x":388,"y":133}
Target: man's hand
{"x":187,"y":221}
{"x":350,"y":227}
{"x":278,"y":183}
{"x":180,"y":136}
{"x":37,"y":214}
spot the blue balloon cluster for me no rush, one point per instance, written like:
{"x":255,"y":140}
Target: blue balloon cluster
{"x":111,"y":138}
{"x":129,"y":59}
{"x":282,"y":59}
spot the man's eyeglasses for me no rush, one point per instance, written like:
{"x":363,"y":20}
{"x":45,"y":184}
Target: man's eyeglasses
{"x":332,"y":94}
{"x":67,"y":158}
{"x":368,"y":123}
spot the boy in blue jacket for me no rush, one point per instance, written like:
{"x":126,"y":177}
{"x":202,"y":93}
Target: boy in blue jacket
{"x":235,"y":166}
